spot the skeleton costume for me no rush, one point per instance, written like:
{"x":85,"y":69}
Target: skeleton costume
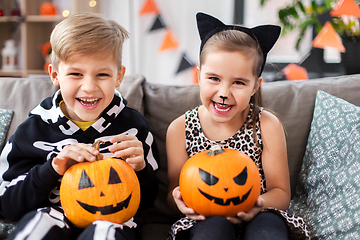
{"x":28,"y":181}
{"x":243,"y":140}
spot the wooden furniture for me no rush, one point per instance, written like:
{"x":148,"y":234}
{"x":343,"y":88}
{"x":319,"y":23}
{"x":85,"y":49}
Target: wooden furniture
{"x":31,"y":30}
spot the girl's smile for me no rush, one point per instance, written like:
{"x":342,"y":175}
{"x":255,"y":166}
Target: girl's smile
{"x":220,"y":108}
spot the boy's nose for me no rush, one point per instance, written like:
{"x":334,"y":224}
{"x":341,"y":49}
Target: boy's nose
{"x":89,"y":85}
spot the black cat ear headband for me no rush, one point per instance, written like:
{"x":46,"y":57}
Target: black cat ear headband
{"x":265,"y":35}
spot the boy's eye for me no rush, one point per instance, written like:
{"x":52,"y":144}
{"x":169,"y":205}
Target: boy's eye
{"x":103,"y":75}
{"x":75,"y":74}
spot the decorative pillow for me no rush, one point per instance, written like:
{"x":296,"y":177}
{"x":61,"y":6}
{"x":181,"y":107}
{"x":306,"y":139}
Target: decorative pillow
{"x":328,"y":191}
{"x":5,"y":120}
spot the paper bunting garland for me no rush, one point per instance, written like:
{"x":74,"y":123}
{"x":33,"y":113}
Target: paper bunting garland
{"x":158,"y":24}
{"x":195,"y":70}
{"x":169,"y":41}
{"x":185,"y":63}
{"x":149,"y":7}
{"x":295,"y":72}
{"x":328,"y":37}
{"x":346,"y":7}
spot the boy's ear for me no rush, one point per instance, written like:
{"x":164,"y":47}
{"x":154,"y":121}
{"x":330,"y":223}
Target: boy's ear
{"x":120,"y":76}
{"x":53,"y":75}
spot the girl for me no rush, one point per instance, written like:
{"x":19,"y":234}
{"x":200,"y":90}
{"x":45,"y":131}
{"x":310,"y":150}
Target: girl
{"x":232,"y":59}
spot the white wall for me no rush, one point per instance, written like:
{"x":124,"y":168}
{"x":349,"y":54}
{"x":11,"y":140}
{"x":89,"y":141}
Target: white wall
{"x":141,"y":53}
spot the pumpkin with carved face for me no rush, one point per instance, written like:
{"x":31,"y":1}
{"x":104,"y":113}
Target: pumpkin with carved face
{"x":106,"y":189}
{"x":220,"y":182}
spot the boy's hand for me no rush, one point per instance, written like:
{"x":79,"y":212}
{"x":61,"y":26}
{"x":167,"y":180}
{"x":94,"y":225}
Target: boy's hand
{"x":189,"y":212}
{"x":72,"y":154}
{"x":130,"y":149}
{"x":247,"y":216}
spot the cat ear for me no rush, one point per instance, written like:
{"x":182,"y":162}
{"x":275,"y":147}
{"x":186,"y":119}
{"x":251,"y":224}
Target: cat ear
{"x":267,"y":35}
{"x":207,"y":24}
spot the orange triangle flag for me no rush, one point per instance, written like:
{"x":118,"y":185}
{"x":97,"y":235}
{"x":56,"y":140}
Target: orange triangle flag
{"x":328,"y":37}
{"x":169,"y":42}
{"x":195,"y":75}
{"x":345,"y":7}
{"x":149,"y":7}
{"x":295,"y":72}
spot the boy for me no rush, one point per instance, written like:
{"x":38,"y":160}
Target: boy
{"x":86,"y":65}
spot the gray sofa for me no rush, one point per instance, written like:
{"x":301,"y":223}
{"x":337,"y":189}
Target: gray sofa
{"x":292,"y":101}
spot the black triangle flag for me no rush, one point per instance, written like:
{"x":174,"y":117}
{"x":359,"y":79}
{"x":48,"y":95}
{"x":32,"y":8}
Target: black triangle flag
{"x":158,"y":24}
{"x":185,"y":63}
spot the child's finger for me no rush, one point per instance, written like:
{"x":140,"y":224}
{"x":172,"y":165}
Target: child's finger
{"x":122,"y":137}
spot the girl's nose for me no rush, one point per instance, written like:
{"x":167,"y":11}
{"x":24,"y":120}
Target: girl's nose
{"x":223,"y":98}
{"x":224,"y":92}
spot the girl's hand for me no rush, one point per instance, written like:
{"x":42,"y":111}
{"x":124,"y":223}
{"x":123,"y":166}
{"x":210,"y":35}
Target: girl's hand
{"x":189,"y":212}
{"x":72,"y":154}
{"x":130,"y":149}
{"x":247,"y":216}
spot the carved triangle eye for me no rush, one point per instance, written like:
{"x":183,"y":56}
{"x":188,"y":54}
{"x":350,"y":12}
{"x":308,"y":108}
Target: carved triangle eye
{"x":241,"y":178}
{"x":114,"y":177}
{"x":85,"y":181}
{"x":208,"y":178}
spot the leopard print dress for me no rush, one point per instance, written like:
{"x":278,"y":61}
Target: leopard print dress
{"x":242,"y":140}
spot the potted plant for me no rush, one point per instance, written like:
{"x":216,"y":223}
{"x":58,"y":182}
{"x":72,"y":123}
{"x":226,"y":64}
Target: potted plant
{"x":299,"y":16}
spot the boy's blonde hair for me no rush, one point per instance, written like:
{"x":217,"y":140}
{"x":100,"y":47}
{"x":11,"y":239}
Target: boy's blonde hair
{"x":86,"y":34}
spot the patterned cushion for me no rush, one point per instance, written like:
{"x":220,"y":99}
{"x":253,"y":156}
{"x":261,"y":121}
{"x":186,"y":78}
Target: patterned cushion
{"x":328,"y":190}
{"x":5,"y":120}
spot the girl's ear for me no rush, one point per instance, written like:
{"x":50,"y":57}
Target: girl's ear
{"x":53,"y":75}
{"x":259,"y":81}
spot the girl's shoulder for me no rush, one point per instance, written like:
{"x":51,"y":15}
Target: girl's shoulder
{"x":269,"y":117}
{"x":270,"y":123}
{"x":177,"y":125}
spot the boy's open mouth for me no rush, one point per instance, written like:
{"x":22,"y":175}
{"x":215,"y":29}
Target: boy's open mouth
{"x":88,"y":101}
{"x":219,"y":107}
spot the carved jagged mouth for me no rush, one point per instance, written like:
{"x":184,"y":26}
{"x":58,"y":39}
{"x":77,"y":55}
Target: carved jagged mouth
{"x":220,"y":201}
{"x":105,"y":210}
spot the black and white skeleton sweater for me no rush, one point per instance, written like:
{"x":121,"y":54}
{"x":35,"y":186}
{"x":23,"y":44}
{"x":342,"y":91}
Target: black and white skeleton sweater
{"x":29,"y":182}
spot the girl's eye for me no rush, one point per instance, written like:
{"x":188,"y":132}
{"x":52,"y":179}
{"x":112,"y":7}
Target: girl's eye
{"x":214,"y":78}
{"x":239,"y":83}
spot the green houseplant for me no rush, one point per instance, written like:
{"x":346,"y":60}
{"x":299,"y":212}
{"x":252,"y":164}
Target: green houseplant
{"x":298,"y":15}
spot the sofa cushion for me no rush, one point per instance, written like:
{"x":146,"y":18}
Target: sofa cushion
{"x":131,"y":90}
{"x":327,"y":193}
{"x":162,"y":105}
{"x":23,"y":94}
{"x":294,"y":103}
{"x":5,"y":120}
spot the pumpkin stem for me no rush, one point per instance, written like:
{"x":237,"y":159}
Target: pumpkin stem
{"x":215,"y":150}
{"x":96,"y":145}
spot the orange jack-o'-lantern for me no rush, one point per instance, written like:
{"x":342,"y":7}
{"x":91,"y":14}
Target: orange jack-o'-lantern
{"x":106,"y":189}
{"x":48,"y":8}
{"x":220,"y":182}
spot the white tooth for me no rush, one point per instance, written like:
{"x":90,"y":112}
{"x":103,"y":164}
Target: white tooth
{"x":222,"y":110}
